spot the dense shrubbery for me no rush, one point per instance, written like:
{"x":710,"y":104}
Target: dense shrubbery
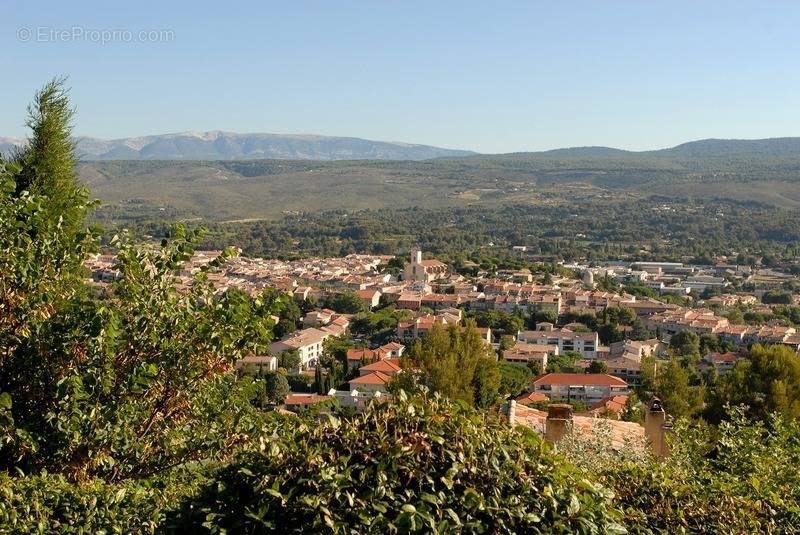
{"x":738,"y":478}
{"x":421,"y":465}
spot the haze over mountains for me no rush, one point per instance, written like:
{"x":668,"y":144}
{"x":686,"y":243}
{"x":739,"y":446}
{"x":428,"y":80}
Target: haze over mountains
{"x":217,"y":145}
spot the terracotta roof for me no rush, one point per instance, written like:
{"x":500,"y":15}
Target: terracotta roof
{"x":305,"y":399}
{"x":374,"y":378}
{"x":593,"y":379}
{"x":386,"y":366}
{"x":622,"y":433}
{"x":610,"y":404}
{"x":531,"y":397}
{"x":361,"y":353}
{"x":730,"y":356}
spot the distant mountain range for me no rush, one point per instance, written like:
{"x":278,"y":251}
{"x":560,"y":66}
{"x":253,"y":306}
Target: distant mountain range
{"x":704,"y":148}
{"x":232,"y":146}
{"x":217,"y":145}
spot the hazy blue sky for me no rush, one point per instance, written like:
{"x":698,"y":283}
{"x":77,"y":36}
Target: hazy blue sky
{"x":488,"y":76}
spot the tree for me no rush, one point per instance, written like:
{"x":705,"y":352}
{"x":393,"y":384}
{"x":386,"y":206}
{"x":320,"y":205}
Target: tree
{"x":735,"y":316}
{"x":449,"y":359}
{"x":48,"y":160}
{"x":535,"y":367}
{"x":633,"y":410}
{"x":289,"y":359}
{"x":447,"y":469}
{"x":672,"y":386}
{"x":640,"y":331}
{"x":769,"y":382}
{"x":277,"y":388}
{"x":597,"y":366}
{"x":486,"y":382}
{"x":563,"y":362}
{"x":513,"y":378}
{"x":500,"y":321}
{"x":709,"y":343}
{"x":346,"y":303}
{"x":781,"y":297}
{"x":506,"y":342}
{"x":685,"y":344}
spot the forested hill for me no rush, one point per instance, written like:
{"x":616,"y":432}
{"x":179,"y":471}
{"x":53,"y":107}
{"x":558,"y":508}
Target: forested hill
{"x":766,"y":171}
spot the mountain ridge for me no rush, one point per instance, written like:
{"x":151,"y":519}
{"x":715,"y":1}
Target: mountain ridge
{"x":221,"y":145}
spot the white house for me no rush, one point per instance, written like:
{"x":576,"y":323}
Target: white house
{"x":308,"y":342}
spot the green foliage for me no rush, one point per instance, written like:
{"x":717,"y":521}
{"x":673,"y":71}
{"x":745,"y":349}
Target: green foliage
{"x":513,"y":378}
{"x":54,"y":504}
{"x":780,"y":297}
{"x":48,"y":161}
{"x":672,"y":385}
{"x":379,"y":326}
{"x":500,"y":321}
{"x":345,"y":302}
{"x":289,"y":359}
{"x":768,"y":382}
{"x":134,"y":385}
{"x":685,"y":344}
{"x":563,"y":362}
{"x":457,"y":365}
{"x":597,"y":366}
{"x":486,"y":382}
{"x":277,"y":388}
{"x":298,"y":382}
{"x":733,"y":479}
{"x":445,"y":469}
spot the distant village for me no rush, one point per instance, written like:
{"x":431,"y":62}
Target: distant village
{"x":435,"y":294}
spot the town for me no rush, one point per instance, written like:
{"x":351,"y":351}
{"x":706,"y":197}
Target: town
{"x":587,"y":334}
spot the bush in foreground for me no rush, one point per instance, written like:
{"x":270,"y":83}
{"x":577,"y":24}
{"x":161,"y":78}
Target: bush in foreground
{"x":419,"y":465}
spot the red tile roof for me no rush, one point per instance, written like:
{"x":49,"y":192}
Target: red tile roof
{"x":374,"y":378}
{"x":305,"y":399}
{"x":386,"y":366}
{"x":588,"y":379}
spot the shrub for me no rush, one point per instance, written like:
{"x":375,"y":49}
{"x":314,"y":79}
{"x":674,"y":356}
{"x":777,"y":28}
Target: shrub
{"x":418,"y":465}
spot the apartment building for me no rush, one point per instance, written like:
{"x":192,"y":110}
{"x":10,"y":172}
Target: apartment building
{"x":585,"y":343}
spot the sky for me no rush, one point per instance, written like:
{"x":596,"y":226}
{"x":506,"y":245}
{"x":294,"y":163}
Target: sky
{"x":487,"y":76}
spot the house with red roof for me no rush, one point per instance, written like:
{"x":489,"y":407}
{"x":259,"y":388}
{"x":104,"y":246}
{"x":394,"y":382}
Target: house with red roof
{"x":587,"y":388}
{"x":299,"y":402}
{"x":371,"y":382}
{"x":387,"y":367}
{"x":371,"y":297}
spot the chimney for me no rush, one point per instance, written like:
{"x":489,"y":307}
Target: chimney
{"x":654,"y":427}
{"x":559,"y":422}
{"x":512,"y":412}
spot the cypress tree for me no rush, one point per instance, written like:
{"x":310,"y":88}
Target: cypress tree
{"x":48,"y":161}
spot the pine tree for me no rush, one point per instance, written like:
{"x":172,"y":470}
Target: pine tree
{"x":48,"y":161}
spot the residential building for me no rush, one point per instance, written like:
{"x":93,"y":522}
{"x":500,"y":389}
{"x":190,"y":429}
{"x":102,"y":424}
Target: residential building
{"x":522,"y":353}
{"x":308,"y":343}
{"x":588,"y":388}
{"x":585,"y":343}
{"x":262,"y":363}
{"x":371,"y":382}
{"x":371,"y":297}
